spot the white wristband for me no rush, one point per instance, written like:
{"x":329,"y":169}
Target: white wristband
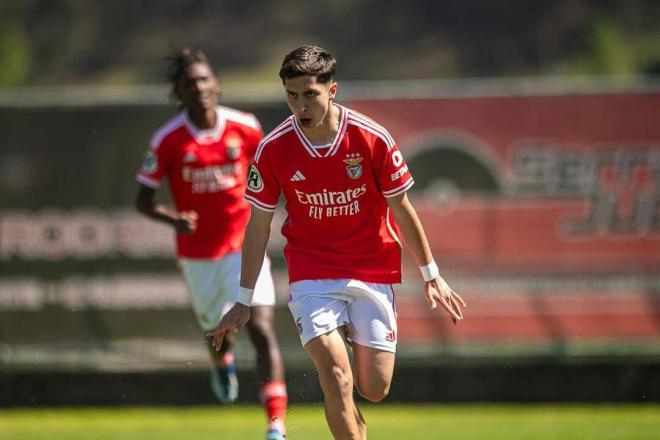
{"x":430,"y":271}
{"x":245,"y":296}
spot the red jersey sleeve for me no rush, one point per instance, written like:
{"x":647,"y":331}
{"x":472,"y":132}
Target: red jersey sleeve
{"x":391,"y":170}
{"x":156,"y":163}
{"x":263,"y":189}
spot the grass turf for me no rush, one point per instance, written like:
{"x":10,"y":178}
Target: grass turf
{"x":385,"y":422}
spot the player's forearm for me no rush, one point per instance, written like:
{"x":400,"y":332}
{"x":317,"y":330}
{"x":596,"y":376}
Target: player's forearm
{"x":411,"y":230}
{"x":145,"y":202}
{"x":159,"y":212}
{"x":254,"y":250}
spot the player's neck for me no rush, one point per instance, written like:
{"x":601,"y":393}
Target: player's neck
{"x":203,"y":118}
{"x":325,"y":133}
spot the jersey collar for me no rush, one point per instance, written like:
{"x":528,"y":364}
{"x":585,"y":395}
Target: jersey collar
{"x":332,"y":147}
{"x":209,"y":134}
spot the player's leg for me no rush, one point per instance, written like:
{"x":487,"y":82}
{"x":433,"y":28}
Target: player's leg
{"x":261,"y":331}
{"x":373,"y":334}
{"x":373,"y":372}
{"x":332,"y":362}
{"x":224,"y":382}
{"x":270,"y":369}
{"x":319,"y":309}
{"x":207,"y":282}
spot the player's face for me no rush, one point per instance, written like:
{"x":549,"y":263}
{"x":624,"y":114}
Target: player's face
{"x":309,"y":100}
{"x":198,"y":87}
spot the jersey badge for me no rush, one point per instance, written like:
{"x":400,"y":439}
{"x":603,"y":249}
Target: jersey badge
{"x":233,"y":145}
{"x":255,"y":183}
{"x":150,"y":162}
{"x":353,"y":167}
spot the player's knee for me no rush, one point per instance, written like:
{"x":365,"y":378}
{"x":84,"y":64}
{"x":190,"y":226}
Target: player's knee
{"x":260,"y":329}
{"x":338,"y":382}
{"x":374,"y":392}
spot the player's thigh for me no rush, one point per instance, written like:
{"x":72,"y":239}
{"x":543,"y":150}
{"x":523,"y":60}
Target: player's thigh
{"x":261,"y":320}
{"x":372,"y":316}
{"x":331,"y":359}
{"x":373,"y":370}
{"x":207,"y":282}
{"x":316,"y":314}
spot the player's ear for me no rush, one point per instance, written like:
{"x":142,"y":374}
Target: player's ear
{"x":332,"y":92}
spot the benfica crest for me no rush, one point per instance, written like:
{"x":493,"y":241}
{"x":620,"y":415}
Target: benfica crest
{"x":353,"y":167}
{"x":233,"y":145}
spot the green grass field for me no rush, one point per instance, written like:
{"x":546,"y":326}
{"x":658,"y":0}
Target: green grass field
{"x":385,"y":422}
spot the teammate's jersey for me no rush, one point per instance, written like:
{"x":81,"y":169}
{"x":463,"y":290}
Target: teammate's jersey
{"x":339,"y":224}
{"x":207,"y":172}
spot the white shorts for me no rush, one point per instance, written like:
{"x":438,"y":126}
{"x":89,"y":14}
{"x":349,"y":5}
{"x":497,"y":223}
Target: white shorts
{"x":367,"y":309}
{"x":213,"y":286}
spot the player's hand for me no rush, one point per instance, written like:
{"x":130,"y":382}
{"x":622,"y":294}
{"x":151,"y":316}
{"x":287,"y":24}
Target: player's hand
{"x":186,"y":223}
{"x":437,"y":291}
{"x":234,"y":319}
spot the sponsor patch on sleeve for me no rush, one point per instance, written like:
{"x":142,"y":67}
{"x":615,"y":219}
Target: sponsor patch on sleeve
{"x":150,"y":162}
{"x":255,"y":183}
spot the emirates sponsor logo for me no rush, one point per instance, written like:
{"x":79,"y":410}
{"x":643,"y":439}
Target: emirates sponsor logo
{"x":326,"y":203}
{"x":331,"y":198}
{"x":211,"y":178}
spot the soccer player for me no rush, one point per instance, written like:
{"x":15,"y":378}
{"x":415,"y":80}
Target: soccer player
{"x":344,"y":183}
{"x":205,"y":152}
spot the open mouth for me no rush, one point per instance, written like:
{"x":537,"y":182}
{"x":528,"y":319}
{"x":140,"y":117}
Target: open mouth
{"x":305,"y":122}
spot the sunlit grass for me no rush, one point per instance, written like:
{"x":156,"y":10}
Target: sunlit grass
{"x":385,"y":421}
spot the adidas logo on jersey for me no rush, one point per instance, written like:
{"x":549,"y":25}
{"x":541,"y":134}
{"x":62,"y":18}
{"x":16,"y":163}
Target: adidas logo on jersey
{"x":297,"y":177}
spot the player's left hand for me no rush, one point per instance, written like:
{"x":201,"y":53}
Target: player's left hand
{"x":234,"y":319}
{"x":438,"y":291}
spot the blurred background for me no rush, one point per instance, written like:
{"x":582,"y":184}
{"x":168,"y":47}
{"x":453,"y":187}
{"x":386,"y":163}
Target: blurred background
{"x":532,"y":131}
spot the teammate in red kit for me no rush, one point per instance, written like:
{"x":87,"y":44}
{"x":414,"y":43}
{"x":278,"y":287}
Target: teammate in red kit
{"x":205,"y":152}
{"x":344,"y":183}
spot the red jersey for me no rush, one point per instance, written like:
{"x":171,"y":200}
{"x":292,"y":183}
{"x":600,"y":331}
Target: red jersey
{"x":207,"y":173}
{"x":339,"y":224}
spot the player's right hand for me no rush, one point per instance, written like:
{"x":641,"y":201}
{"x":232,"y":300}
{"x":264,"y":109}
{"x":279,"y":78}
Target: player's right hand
{"x":234,"y":319}
{"x":437,"y":291}
{"x":187,"y":222}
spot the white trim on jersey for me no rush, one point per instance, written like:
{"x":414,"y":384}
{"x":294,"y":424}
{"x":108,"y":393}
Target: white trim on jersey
{"x":303,"y":140}
{"x":259,"y":204}
{"x":280,"y":130}
{"x":212,"y":134}
{"x":170,"y":126}
{"x":373,"y":128}
{"x":148,"y":181}
{"x":390,"y":229}
{"x":399,"y":189}
{"x":343,"y":123}
{"x":247,"y":119}
{"x":334,"y":146}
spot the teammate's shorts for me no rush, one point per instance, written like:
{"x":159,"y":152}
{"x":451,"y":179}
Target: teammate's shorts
{"x":213,"y":286}
{"x":367,"y":309}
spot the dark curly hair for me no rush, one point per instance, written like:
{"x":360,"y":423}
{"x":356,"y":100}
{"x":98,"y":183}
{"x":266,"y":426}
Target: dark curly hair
{"x":179,"y":60}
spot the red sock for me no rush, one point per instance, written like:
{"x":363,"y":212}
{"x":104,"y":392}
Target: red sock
{"x":273,"y":398}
